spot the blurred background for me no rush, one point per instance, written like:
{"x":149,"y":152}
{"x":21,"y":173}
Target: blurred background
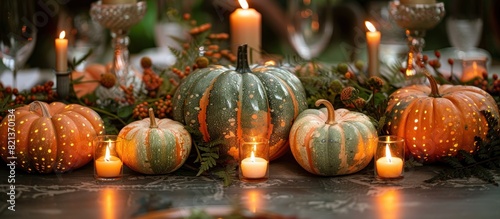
{"x":346,"y":44}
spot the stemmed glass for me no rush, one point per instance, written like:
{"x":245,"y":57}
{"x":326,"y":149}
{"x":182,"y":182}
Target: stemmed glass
{"x":17,"y":34}
{"x":310,"y":26}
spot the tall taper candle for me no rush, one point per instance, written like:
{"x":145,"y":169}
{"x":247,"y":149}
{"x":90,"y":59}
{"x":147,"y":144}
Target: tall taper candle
{"x":62,"y":53}
{"x":373,"y":42}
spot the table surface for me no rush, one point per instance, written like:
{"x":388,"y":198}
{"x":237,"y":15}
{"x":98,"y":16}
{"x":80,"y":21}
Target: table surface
{"x":290,"y":192}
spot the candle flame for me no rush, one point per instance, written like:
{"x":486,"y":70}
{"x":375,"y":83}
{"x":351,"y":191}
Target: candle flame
{"x":370,"y":26}
{"x":388,"y":153}
{"x":474,"y":67}
{"x":243,"y":4}
{"x":252,"y":157}
{"x":62,"y":34}
{"x":107,"y":156}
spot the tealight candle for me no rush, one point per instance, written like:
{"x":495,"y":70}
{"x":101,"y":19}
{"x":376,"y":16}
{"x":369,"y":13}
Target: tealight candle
{"x":389,"y":157}
{"x":245,"y":27}
{"x":108,"y":165}
{"x":254,"y":167}
{"x":254,"y":159}
{"x":373,"y":42}
{"x":61,"y":53}
{"x":473,"y":68}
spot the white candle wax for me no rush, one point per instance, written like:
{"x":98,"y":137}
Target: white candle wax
{"x":245,"y":27}
{"x":254,"y":168}
{"x":61,"y":53}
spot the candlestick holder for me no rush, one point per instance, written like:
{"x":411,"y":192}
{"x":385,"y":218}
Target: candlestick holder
{"x":63,"y":84}
{"x":389,"y":157}
{"x":108,"y":165}
{"x":119,"y":18}
{"x":416,"y":19}
{"x":254,"y":159}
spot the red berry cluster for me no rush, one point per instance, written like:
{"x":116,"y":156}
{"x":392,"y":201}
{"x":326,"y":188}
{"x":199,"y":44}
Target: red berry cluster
{"x":161,"y":107}
{"x":129,"y":94}
{"x":43,"y":92}
{"x":490,"y":85}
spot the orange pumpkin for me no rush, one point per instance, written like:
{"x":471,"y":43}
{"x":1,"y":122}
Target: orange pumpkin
{"x":49,"y":138}
{"x":437,"y":121}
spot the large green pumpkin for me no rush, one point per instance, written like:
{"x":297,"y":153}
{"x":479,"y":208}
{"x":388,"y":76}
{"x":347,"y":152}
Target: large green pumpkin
{"x":332,"y":142}
{"x":221,"y":103}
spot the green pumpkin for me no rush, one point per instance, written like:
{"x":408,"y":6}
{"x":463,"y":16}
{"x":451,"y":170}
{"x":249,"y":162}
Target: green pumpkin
{"x":332,"y":142}
{"x":154,"y":146}
{"x":224,"y":104}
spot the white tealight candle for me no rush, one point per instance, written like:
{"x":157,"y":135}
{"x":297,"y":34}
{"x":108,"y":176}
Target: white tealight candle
{"x":389,"y":166}
{"x":254,"y":167}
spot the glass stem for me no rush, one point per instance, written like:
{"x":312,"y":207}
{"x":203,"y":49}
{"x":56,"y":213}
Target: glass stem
{"x":121,"y":56}
{"x":416,"y":44}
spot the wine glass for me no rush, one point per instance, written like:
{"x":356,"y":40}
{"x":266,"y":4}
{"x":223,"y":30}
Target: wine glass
{"x":17,"y":34}
{"x":310,"y":26}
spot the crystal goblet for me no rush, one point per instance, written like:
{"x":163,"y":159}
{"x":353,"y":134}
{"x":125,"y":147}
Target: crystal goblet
{"x":119,"y":18}
{"x":416,"y":19}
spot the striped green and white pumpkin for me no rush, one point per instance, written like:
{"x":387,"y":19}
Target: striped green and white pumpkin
{"x":332,"y":142}
{"x":154,"y":146}
{"x":224,"y":104}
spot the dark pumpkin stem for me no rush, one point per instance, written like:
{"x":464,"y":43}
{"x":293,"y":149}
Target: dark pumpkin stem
{"x":39,"y":104}
{"x":152,"y":119}
{"x":242,"y":62}
{"x":433,"y":84}
{"x":331,"y":111}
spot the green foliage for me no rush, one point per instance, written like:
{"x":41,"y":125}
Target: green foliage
{"x":480,"y":164}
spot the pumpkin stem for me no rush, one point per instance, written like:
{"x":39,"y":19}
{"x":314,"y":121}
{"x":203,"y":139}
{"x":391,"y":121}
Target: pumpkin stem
{"x":38,"y":104}
{"x":331,"y":111}
{"x":152,"y":119}
{"x":433,"y":84}
{"x":242,"y":62}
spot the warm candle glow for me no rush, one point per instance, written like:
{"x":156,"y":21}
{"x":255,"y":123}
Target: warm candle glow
{"x":388,"y":153}
{"x":254,"y":200}
{"x":388,"y":204}
{"x":370,"y":26}
{"x":243,"y":4}
{"x":107,"y":155}
{"x":252,"y":157}
{"x":108,"y":166}
{"x":62,"y":34}
{"x":254,"y":167}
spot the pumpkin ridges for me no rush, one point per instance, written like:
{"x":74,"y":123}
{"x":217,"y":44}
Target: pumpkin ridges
{"x":39,"y":147}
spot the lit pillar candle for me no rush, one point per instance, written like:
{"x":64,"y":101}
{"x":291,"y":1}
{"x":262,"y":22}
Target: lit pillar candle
{"x":107,"y":165}
{"x":245,"y":27}
{"x":388,"y":166}
{"x":61,"y":53}
{"x":373,"y":42}
{"x":254,"y":167}
{"x":114,"y":2}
